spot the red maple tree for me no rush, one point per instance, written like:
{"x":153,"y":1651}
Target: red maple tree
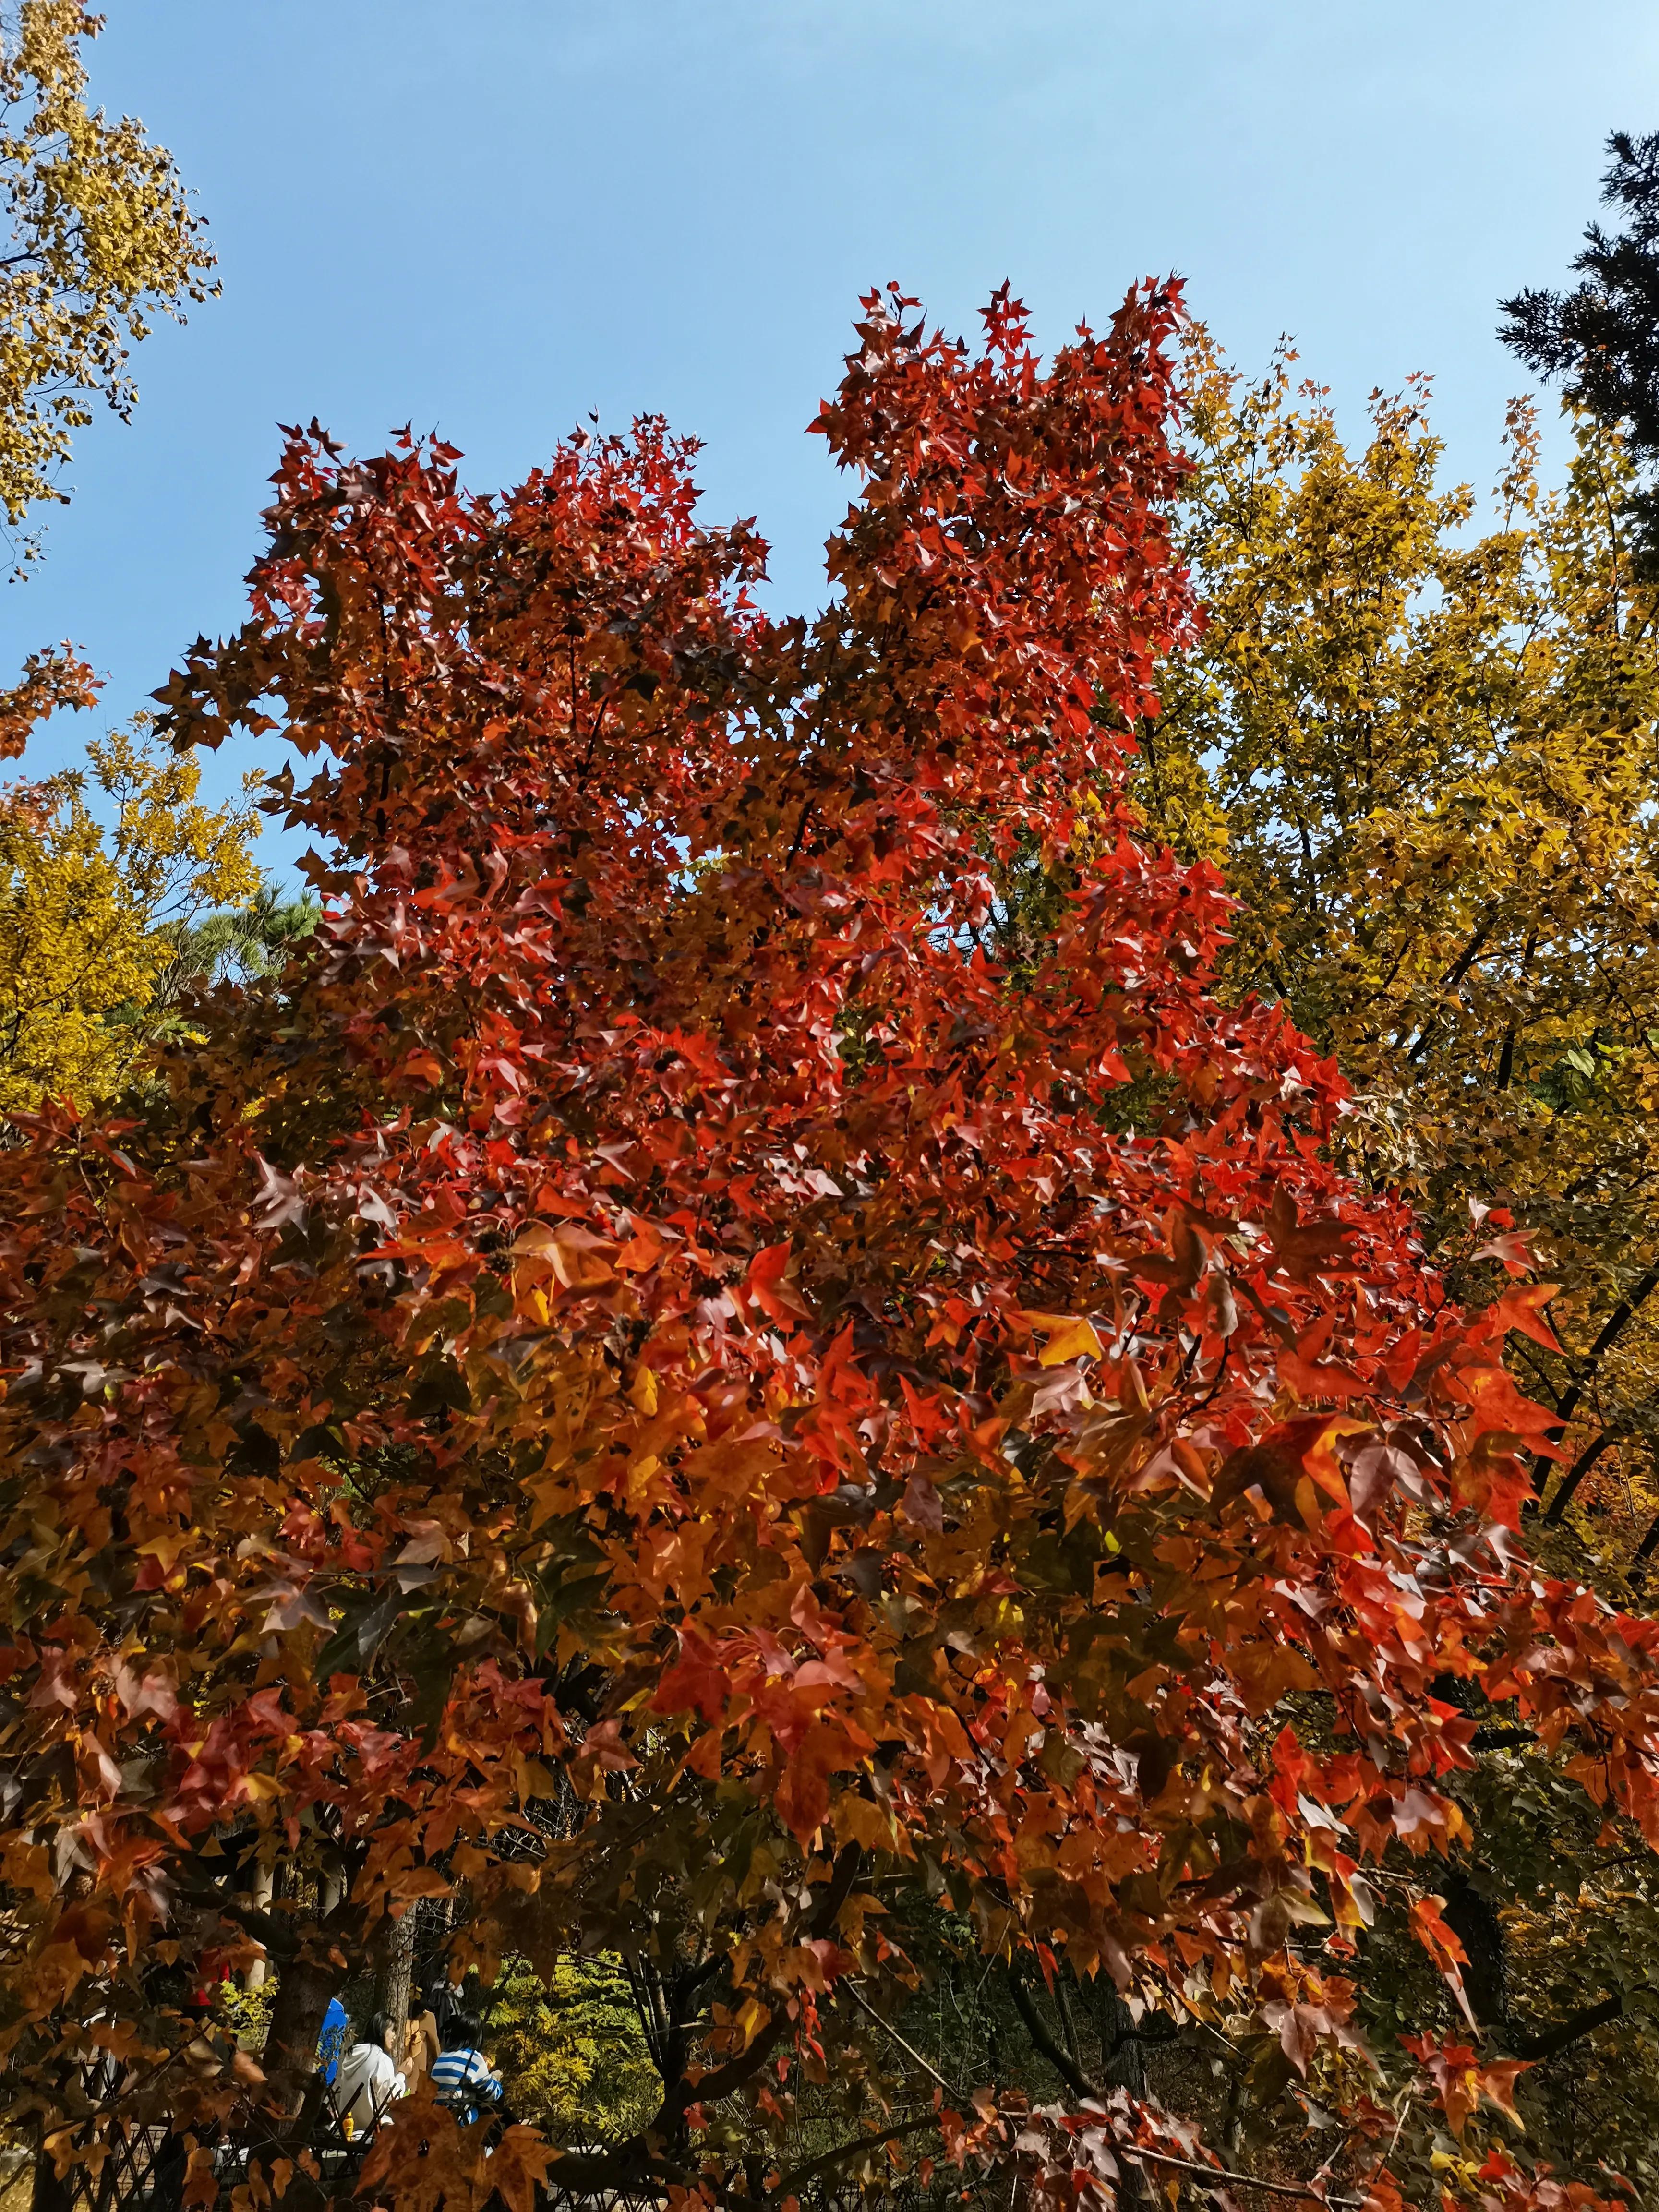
{"x":653,"y":1377}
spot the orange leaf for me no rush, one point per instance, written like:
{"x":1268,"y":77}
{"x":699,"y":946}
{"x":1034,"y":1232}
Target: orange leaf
{"x":1442,"y":1944}
{"x":1068,"y":1338}
{"x":1524,"y":1310}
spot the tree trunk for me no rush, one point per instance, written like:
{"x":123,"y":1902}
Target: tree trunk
{"x":297,"y":2021}
{"x":263,"y":1885}
{"x":394,"y":1984}
{"x":1123,"y":2054}
{"x":52,"y":2195}
{"x":1474,"y":1920}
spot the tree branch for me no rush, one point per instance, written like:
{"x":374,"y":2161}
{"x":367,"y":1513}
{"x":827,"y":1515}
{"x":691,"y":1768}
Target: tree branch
{"x":793,"y":2179}
{"x":1060,"y":2059}
{"x":1612,"y":1329}
{"x":1453,"y":976}
{"x":1574,"y":1474}
{"x":1645,"y":1549}
{"x":1578,"y":2024}
{"x":800,"y":831}
{"x":1220,"y":2176}
{"x":722,"y":2080}
{"x":619,"y":2167}
{"x":1496,"y":1737}
{"x":279,"y":1936}
{"x":888,"y":2028}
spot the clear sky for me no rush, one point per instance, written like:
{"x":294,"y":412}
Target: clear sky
{"x":489,"y":217}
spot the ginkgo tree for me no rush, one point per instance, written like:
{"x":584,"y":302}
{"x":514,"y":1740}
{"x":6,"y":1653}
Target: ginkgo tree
{"x":650,"y":1386}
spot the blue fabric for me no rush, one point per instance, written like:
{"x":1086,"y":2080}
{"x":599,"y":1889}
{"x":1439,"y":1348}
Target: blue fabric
{"x":332,"y":2041}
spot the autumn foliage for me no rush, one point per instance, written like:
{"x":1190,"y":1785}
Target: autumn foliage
{"x":646,"y":1318}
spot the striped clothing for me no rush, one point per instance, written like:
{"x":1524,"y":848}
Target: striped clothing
{"x":461,"y":2078}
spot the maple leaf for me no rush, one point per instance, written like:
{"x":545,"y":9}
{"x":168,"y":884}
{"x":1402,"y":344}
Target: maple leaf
{"x":1066,"y":1339}
{"x":1524,"y":1310}
{"x":1443,"y":1946}
{"x":1305,"y":1249}
{"x":1511,"y":1248}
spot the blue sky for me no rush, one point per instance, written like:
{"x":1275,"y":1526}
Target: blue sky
{"x":490,"y":217}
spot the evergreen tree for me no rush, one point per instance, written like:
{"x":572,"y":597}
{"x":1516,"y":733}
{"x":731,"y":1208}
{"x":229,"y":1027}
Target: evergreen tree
{"x":1602,"y":337}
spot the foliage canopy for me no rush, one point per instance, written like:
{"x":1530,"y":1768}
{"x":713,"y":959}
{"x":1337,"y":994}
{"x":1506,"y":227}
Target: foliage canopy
{"x":1601,"y":338}
{"x":101,"y":239}
{"x":94,"y":922}
{"x":1429,"y":762}
{"x":1426,"y":756}
{"x":647,"y":1321}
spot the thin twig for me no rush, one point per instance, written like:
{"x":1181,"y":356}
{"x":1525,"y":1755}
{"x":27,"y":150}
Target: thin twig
{"x":830,"y":2158}
{"x":1220,"y":2173}
{"x":800,"y":830}
{"x":932,"y":2072}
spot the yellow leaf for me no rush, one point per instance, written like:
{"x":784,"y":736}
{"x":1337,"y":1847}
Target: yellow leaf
{"x":1069,"y":1338}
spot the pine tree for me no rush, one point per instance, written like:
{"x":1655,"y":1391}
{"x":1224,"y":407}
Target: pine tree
{"x":1601,"y":338}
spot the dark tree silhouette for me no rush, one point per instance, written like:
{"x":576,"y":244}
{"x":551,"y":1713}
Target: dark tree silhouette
{"x":1601,"y":338}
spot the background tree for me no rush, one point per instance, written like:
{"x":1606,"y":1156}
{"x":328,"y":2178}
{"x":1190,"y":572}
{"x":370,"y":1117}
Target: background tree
{"x":234,"y":944}
{"x":1601,"y":338}
{"x":569,"y":2046}
{"x":1429,"y":761}
{"x":99,"y":927}
{"x":1427,"y":758}
{"x":102,"y":239}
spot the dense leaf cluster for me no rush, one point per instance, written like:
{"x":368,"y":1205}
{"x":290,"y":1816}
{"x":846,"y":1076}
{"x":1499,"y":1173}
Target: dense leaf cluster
{"x":667,"y":1384}
{"x":100,"y":239}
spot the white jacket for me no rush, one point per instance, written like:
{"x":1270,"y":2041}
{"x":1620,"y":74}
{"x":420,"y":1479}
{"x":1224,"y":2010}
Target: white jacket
{"x":365,"y":2084}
